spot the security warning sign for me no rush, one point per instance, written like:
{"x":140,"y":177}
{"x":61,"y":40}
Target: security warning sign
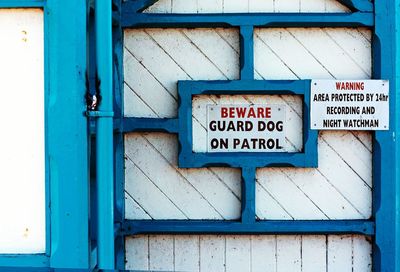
{"x":349,"y":105}
{"x":246,"y":128}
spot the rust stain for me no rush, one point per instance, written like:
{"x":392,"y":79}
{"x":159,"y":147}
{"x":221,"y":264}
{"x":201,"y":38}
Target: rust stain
{"x":24,"y":33}
{"x":26,"y":233}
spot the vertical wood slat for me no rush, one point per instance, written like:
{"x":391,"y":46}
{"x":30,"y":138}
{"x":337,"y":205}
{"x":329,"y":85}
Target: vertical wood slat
{"x":245,"y":6}
{"x":307,"y":253}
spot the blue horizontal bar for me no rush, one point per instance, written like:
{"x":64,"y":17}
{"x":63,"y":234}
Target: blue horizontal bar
{"x":131,"y":124}
{"x":24,"y":260}
{"x":22,"y":4}
{"x":357,"y":19}
{"x":134,"y":227}
{"x":188,"y":159}
{"x":244,"y":86}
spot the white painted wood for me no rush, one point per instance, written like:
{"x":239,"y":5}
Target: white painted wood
{"x":201,"y":54}
{"x":144,"y":192}
{"x":244,"y":6}
{"x":238,"y":254}
{"x":163,"y":191}
{"x":263,"y":253}
{"x":313,"y":253}
{"x":330,"y":54}
{"x":210,"y":6}
{"x":289,"y":195}
{"x":137,"y":253}
{"x":187,"y":253}
{"x":340,"y":253}
{"x":288,"y":253}
{"x":212,"y":253}
{"x":133,"y":209}
{"x":307,"y":253}
{"x":22,"y":157}
{"x":362,"y":254}
{"x":161,"y":253}
{"x":287,"y":5}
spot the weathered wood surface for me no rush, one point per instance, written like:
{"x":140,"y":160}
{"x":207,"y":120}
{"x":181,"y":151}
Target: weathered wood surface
{"x":249,"y":253}
{"x":229,"y":6}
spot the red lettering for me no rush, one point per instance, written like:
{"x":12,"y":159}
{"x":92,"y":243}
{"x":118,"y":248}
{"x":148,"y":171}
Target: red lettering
{"x":224,"y":112}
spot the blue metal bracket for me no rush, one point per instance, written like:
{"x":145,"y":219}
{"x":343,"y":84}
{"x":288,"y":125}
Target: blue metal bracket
{"x":358,"y":5}
{"x":137,"y":5}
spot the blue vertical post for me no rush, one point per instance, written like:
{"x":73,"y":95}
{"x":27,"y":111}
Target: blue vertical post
{"x":386,"y":168}
{"x":246,"y":53}
{"x":104,"y":144}
{"x":248,"y":195}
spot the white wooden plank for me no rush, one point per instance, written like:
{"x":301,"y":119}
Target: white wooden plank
{"x":185,"y":53}
{"x":329,"y":53}
{"x":355,"y":44}
{"x":133,"y":210}
{"x":261,"y":5}
{"x":22,"y":118}
{"x":150,"y":54}
{"x":208,"y":184}
{"x":353,"y":152}
{"x":210,"y":6}
{"x":137,"y":253}
{"x":231,"y":177}
{"x":268,"y":207}
{"x":238,"y":254}
{"x":187,"y":6}
{"x":335,"y":6}
{"x":216,"y":6}
{"x":167,"y":178}
{"x":161,"y":6}
{"x":293,"y":54}
{"x":295,"y":201}
{"x":362,"y":254}
{"x":365,"y":138}
{"x":287,"y":5}
{"x":267,"y":63}
{"x":339,"y":253}
{"x":345,"y":180}
{"x":230,"y":6}
{"x":212,"y":253}
{"x":139,"y":79}
{"x":231,"y":37}
{"x":313,"y":253}
{"x":288,"y":253}
{"x":134,"y":106}
{"x":161,"y":253}
{"x":323,"y":194}
{"x":312,"y":6}
{"x":223,"y":55}
{"x":263,"y":253}
{"x":147,"y":194}
{"x":187,"y":253}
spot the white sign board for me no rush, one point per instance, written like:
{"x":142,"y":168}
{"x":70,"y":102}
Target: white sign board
{"x":350,"y":105}
{"x":245,"y":128}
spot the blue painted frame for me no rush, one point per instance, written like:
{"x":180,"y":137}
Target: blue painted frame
{"x":189,"y":159}
{"x":381,"y":18}
{"x":67,"y":223}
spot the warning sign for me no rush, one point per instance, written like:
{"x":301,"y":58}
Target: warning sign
{"x":246,"y":128}
{"x":350,"y":105}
